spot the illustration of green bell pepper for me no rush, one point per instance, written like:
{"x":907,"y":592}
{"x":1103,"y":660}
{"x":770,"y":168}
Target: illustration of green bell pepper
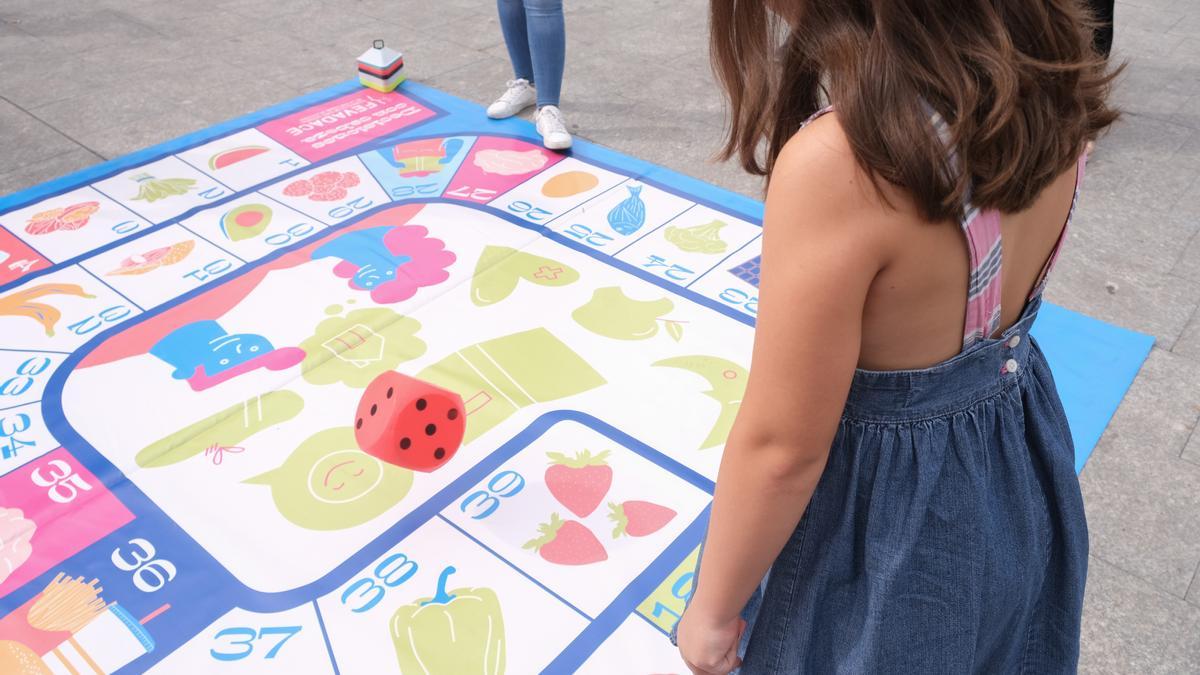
{"x":451,"y":633}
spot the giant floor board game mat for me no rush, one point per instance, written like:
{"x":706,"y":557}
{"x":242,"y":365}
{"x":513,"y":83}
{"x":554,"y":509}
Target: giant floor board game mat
{"x":186,"y":334}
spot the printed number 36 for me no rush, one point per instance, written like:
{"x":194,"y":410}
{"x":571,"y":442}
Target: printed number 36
{"x":149,"y":573}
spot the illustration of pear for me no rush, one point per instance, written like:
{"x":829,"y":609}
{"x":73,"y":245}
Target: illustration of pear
{"x":500,"y":268}
{"x":455,"y":632}
{"x":615,"y":315}
{"x":704,"y":238}
{"x":151,"y":189}
{"x":727,"y":381}
{"x":628,"y":216}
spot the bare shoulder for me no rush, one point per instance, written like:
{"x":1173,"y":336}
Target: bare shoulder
{"x":818,"y":184}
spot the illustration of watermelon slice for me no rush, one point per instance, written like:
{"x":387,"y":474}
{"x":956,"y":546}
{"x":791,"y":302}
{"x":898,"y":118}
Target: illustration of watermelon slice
{"x":246,"y":221}
{"x":234,"y":155}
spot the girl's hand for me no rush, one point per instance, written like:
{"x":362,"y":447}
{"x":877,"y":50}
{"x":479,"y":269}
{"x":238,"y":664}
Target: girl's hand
{"x":708,"y":647}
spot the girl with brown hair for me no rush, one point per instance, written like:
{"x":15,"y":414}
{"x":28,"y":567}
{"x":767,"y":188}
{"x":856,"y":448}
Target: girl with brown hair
{"x":898,"y":493}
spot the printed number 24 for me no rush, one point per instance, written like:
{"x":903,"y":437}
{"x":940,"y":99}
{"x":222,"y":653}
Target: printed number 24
{"x":249,"y":635}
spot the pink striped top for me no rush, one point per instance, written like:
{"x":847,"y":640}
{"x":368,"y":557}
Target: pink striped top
{"x":986,"y":250}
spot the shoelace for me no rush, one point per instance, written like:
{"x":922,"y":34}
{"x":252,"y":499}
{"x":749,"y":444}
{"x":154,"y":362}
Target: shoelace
{"x":515,"y":89}
{"x":555,"y":121}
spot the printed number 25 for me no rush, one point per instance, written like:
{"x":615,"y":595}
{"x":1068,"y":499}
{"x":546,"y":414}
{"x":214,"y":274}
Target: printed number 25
{"x":249,"y":635}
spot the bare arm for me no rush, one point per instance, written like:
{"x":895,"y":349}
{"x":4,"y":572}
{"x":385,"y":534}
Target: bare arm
{"x":820,"y":256}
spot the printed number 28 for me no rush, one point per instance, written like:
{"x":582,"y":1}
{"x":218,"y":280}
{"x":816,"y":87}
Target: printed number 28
{"x":249,"y":635}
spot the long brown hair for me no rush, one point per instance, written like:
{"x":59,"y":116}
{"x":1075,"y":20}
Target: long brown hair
{"x":1017,"y":81}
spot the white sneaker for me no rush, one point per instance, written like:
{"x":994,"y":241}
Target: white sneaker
{"x":553,"y":128}
{"x":519,"y":96}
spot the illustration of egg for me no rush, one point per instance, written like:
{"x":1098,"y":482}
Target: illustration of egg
{"x":154,"y":259}
{"x":570,"y":183}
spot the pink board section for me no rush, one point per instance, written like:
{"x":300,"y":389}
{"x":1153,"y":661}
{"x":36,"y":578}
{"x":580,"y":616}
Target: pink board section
{"x":347,"y":122}
{"x":17,"y":259}
{"x":497,"y":165}
{"x":69,"y":507}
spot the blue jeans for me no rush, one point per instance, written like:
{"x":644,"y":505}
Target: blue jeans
{"x":537,"y":43}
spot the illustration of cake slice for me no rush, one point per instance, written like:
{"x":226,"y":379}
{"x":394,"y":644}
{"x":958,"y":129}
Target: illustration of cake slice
{"x":500,"y":376}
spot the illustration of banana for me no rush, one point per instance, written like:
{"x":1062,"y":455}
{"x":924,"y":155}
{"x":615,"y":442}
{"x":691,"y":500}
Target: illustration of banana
{"x":22,"y":303}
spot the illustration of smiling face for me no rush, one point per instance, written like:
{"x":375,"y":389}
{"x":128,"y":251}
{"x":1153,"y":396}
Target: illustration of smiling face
{"x":329,"y":484}
{"x":231,"y":350}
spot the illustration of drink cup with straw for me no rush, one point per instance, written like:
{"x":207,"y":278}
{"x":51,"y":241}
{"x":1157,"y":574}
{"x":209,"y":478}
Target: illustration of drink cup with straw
{"x":68,"y":628}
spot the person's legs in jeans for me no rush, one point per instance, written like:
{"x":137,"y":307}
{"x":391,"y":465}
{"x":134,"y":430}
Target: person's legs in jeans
{"x":512,"y":24}
{"x":547,"y":45}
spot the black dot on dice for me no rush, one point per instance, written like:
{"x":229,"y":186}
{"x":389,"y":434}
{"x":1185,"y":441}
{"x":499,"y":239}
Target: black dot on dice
{"x":405,"y":443}
{"x":391,"y":391}
{"x":374,"y":408}
{"x":358,"y":424}
{"x":452,"y":414}
{"x":439,"y":453}
{"x":421,"y":404}
{"x":430,"y":429}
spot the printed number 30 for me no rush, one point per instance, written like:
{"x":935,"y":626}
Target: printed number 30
{"x":149,"y":573}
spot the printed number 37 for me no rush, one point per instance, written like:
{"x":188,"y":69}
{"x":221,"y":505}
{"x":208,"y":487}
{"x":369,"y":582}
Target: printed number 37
{"x":248,"y":636}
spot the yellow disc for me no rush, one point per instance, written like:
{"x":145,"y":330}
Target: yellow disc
{"x":570,"y":183}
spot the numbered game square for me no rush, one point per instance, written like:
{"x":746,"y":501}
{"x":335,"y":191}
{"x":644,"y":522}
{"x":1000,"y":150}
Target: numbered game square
{"x":162,"y":190}
{"x":243,"y":159}
{"x":23,"y":436}
{"x":23,"y":376}
{"x":735,"y":282}
{"x":691,"y":245}
{"x":331,"y":193}
{"x":635,"y":647}
{"x":620,"y":216}
{"x":161,"y":266}
{"x":60,"y":311}
{"x":72,"y":223}
{"x":249,"y":642}
{"x":556,"y":191}
{"x":254,"y":226}
{"x":579,"y":512}
{"x":416,"y":169}
{"x":438,"y":603}
{"x":17,"y":259}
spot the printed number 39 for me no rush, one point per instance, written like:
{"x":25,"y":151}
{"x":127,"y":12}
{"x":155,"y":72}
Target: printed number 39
{"x":149,"y":573}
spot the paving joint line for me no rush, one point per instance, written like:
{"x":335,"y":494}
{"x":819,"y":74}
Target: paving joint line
{"x":1152,"y":584}
{"x":58,"y":131}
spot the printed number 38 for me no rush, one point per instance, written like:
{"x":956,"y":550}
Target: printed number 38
{"x":391,"y":571}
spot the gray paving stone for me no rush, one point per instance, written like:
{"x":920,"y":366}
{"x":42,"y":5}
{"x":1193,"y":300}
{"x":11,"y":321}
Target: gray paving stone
{"x":50,"y":168}
{"x":1191,"y":451}
{"x":1146,"y":531}
{"x":85,"y":27}
{"x":1188,"y":344}
{"x":26,"y":139}
{"x":1132,"y":627}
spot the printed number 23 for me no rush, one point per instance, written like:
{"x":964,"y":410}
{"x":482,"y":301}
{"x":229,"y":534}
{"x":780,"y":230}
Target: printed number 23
{"x":249,"y":635}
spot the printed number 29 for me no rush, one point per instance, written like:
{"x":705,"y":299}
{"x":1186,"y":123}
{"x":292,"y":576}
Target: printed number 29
{"x":149,"y":573}
{"x":249,"y":635}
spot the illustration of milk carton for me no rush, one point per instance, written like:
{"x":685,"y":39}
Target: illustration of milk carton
{"x":381,"y":68}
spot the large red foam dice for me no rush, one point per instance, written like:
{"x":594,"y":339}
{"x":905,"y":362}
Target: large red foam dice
{"x":408,"y":422}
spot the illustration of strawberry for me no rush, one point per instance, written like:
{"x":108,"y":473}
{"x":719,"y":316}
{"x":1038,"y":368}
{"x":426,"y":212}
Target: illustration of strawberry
{"x":567,"y":543}
{"x":638,"y":519}
{"x":579,"y":483}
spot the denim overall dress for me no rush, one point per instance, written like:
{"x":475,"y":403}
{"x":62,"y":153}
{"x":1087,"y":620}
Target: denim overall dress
{"x":947,"y":533}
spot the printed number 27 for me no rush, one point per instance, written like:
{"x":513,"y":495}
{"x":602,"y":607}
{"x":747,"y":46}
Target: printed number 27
{"x":248,"y":636}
